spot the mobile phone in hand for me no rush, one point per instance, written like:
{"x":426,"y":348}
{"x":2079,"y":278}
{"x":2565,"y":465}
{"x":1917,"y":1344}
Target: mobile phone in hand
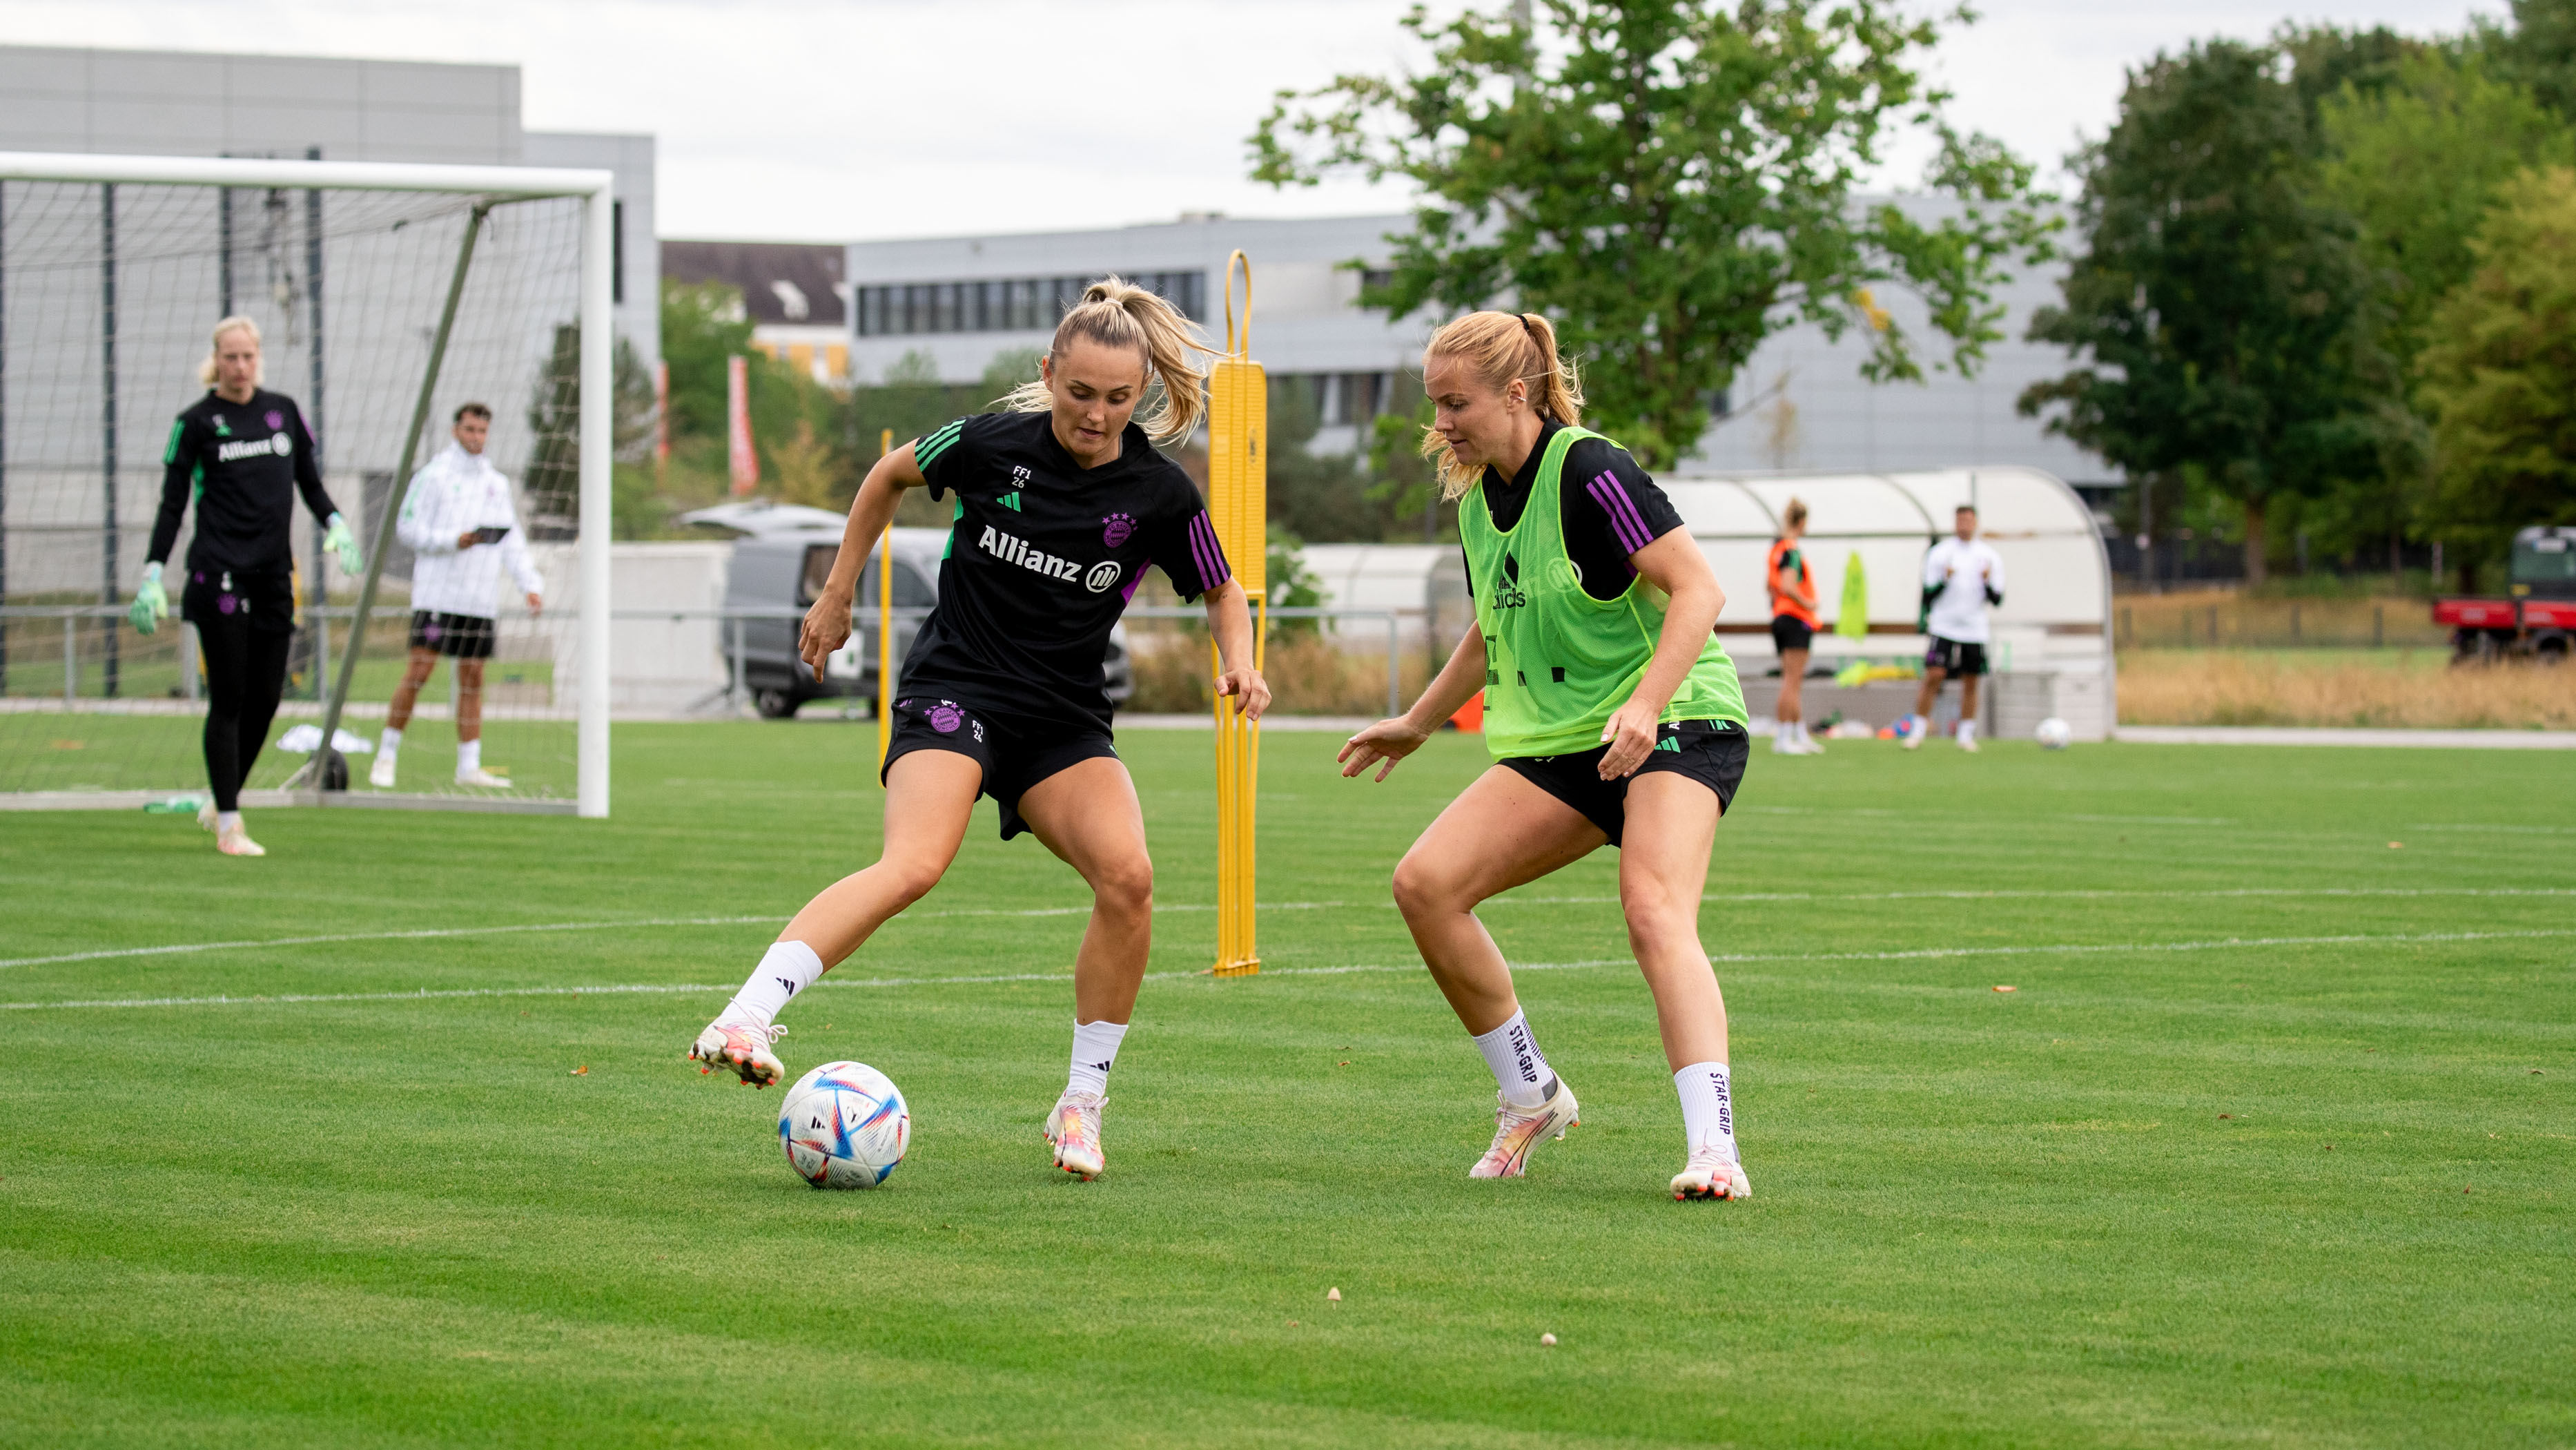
{"x":491,"y":533}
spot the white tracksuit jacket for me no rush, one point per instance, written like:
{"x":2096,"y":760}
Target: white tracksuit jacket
{"x":452,"y":493}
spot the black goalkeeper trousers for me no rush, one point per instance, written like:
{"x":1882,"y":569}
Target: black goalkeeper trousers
{"x":245,"y":674}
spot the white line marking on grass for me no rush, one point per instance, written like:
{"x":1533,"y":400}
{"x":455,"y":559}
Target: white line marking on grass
{"x":435,"y":932}
{"x":1739,"y":958}
{"x":2071,"y":894}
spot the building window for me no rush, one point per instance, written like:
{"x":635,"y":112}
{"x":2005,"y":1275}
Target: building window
{"x":1018,"y":304}
{"x":616,"y":253}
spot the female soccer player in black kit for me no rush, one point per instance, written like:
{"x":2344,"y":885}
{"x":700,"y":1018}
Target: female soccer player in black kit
{"x":245,"y":453}
{"x":1060,"y":505}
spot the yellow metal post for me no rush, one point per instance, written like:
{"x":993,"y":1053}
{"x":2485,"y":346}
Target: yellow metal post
{"x":885,"y":626}
{"x":1238,"y":506}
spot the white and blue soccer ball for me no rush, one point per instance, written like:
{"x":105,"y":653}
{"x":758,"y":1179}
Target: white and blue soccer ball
{"x":2055,"y":734}
{"x":844,"y":1125}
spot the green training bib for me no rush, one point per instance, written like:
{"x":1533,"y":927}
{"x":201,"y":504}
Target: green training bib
{"x":1558,"y":662}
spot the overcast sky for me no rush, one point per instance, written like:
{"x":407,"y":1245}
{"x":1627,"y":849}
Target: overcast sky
{"x":848,"y":119}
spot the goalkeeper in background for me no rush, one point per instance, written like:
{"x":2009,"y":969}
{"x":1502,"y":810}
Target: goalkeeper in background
{"x":243,"y":453}
{"x":458,"y":519}
{"x":1961,"y":577}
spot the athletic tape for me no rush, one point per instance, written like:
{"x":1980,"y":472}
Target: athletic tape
{"x":860,"y":983}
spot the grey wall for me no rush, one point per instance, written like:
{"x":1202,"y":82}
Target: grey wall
{"x":639,"y":298}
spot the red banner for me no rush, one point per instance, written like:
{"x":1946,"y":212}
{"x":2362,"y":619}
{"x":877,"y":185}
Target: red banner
{"x":745,"y":459}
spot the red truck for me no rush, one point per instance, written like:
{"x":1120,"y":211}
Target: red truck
{"x":2537,"y":621}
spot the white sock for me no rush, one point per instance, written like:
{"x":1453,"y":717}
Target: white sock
{"x":789,"y":967}
{"x":1803,"y":736}
{"x":469,"y":756}
{"x":1786,"y":733}
{"x":1095,"y":1049}
{"x":1967,"y":729}
{"x":389,"y":742}
{"x":1520,"y":1069}
{"x":1708,"y":1112}
{"x":227,"y":821}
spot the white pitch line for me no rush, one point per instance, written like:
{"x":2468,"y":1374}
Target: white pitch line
{"x":1999,"y":895}
{"x":1740,"y":958}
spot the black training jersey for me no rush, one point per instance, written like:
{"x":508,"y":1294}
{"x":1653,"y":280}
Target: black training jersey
{"x":1042,"y":557}
{"x":1611,"y":508}
{"x":244,"y":463}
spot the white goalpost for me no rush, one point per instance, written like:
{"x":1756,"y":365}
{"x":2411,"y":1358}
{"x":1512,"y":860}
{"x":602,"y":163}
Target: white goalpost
{"x":387,"y":295}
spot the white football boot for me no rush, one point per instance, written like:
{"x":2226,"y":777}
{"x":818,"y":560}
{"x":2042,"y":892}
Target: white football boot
{"x":1074,"y":1129}
{"x":1913,"y":731}
{"x":1517,"y":1130}
{"x":1711,"y":1173}
{"x":483,"y":779}
{"x":206,"y":816}
{"x":1968,"y":736}
{"x":741,"y":1048}
{"x":237,"y":842}
{"x":381,"y":774}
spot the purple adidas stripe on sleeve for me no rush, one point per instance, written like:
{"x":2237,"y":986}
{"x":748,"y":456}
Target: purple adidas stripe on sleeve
{"x":1625,"y":522}
{"x":1206,"y":553}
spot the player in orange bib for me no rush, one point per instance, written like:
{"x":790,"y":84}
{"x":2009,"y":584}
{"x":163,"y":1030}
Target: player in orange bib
{"x":1793,"y":629}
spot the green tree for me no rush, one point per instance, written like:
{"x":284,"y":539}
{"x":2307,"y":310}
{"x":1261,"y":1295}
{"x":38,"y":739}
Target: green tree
{"x":2539,"y":51}
{"x":2500,"y":375}
{"x":703,"y":325}
{"x":1009,"y":368}
{"x":2220,"y":312}
{"x":1670,"y":181}
{"x":1322,"y":498}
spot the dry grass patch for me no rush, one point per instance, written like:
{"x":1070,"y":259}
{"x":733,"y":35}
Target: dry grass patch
{"x":2405,"y":689}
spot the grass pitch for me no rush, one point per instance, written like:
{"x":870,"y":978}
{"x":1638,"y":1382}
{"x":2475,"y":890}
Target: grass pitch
{"x":2272,"y":1143}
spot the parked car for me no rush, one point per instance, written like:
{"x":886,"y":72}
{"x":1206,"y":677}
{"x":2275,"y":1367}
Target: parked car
{"x":775,"y":578}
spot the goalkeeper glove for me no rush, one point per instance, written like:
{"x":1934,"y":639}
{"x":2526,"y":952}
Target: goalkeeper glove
{"x":339,"y":540}
{"x":151,"y":603}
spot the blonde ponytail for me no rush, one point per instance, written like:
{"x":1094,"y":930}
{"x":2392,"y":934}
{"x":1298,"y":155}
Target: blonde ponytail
{"x":234,"y":323}
{"x":1116,"y":313}
{"x":1498,"y":348}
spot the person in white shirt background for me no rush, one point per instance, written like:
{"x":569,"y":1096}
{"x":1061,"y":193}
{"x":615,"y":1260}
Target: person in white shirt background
{"x":458,"y":520}
{"x":1962,"y":576}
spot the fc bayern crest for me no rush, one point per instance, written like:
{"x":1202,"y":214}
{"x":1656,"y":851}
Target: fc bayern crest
{"x":1117,"y":529}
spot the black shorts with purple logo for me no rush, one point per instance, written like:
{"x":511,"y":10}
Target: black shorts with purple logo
{"x":260,"y":599}
{"x":1712,"y":752}
{"x":1956,"y":658}
{"x":1016,"y":752}
{"x":464,"y":636}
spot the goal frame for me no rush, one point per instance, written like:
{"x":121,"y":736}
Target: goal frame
{"x":595,"y":190}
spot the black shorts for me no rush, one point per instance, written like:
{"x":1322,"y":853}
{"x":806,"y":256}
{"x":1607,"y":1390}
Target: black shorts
{"x":1956,"y":658}
{"x":464,"y":636}
{"x":263,"y":599}
{"x":1789,"y":632}
{"x":1711,"y":752}
{"x":1015,"y":752}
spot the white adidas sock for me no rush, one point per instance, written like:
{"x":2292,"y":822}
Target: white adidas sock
{"x":469,"y":756}
{"x":389,"y":742}
{"x":1708,"y":1111}
{"x":789,"y":967}
{"x":1520,"y":1069}
{"x":1095,"y":1050}
{"x":227,"y":821}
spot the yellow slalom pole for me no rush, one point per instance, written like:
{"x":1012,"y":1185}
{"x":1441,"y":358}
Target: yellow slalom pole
{"x":885,"y":627}
{"x":1238,"y":507}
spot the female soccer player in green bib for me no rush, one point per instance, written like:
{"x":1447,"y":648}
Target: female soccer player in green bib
{"x":1612,"y":712}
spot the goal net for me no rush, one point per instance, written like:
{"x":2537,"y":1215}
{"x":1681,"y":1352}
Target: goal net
{"x":386,"y":296}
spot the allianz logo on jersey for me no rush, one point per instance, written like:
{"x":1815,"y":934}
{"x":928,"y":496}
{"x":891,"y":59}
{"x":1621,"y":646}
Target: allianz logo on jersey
{"x":1509,"y":596}
{"x":275,"y":443}
{"x":1012,"y":549}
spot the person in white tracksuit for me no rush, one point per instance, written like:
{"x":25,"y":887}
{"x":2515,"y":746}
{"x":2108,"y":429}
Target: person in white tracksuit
{"x":1962,"y":576}
{"x":458,"y":520}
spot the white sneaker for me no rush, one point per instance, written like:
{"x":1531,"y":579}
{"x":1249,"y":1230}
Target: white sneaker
{"x":1968,"y":738}
{"x":381,"y":774}
{"x":1711,"y":1173}
{"x":1914,"y":730}
{"x":1517,"y":1130}
{"x":741,"y":1048}
{"x":482,"y":778}
{"x":1784,"y":743}
{"x":1074,"y":1129}
{"x":237,"y":842}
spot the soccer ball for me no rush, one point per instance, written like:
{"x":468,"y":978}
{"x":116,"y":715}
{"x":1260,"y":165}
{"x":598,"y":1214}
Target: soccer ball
{"x":2054,"y":734}
{"x":844,"y":1125}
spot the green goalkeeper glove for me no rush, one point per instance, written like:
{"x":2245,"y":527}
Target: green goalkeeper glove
{"x":151,"y":604}
{"x":339,"y":540}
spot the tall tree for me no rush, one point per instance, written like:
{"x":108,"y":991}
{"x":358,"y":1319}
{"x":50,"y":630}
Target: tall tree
{"x":2539,"y":51}
{"x":1670,"y":181}
{"x":2501,"y":375}
{"x":2220,"y":311}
